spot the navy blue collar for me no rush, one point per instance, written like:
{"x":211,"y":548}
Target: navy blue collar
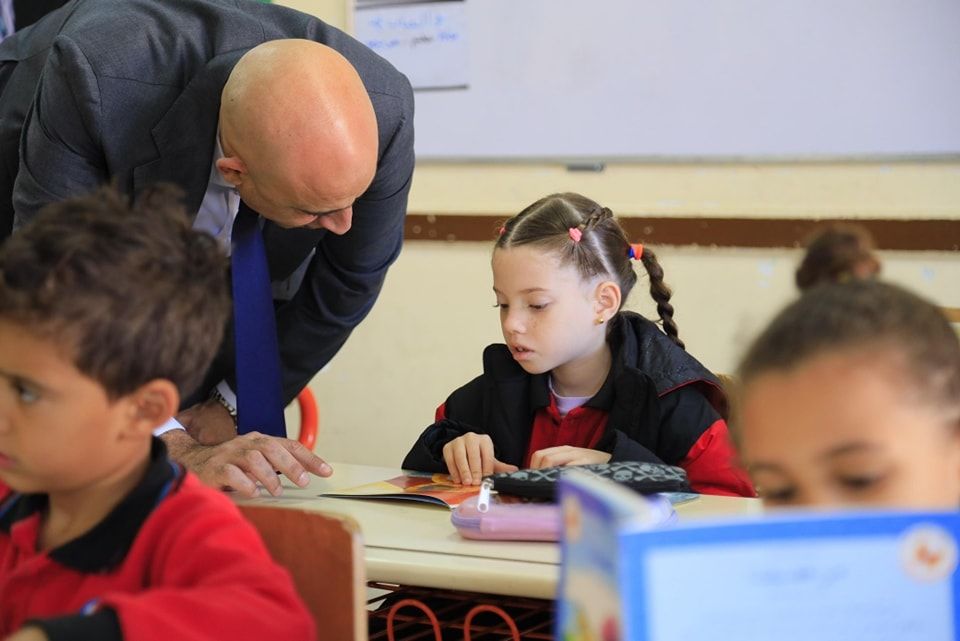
{"x":105,"y":546}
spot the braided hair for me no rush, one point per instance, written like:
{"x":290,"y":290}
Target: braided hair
{"x":602,"y":248}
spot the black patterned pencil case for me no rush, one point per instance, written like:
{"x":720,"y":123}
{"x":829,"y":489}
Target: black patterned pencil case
{"x":645,"y":478}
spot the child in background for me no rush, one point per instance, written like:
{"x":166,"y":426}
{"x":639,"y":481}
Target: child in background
{"x":107,"y":316}
{"x":579,"y":381}
{"x":852,"y":397}
{"x":837,"y":253}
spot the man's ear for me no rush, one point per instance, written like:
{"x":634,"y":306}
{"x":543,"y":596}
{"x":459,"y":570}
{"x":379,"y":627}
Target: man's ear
{"x":232,"y":169}
{"x":152,"y":404}
{"x":607,"y":297}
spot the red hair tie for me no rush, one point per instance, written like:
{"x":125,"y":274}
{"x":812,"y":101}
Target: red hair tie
{"x":502,"y":229}
{"x":575,"y":234}
{"x":635,"y":251}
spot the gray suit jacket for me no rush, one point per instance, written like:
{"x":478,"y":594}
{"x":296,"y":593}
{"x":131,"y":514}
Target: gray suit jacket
{"x":128,"y":91}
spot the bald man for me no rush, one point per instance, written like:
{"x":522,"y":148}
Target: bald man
{"x":232,"y":101}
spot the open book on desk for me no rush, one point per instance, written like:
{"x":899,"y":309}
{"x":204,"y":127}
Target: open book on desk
{"x":422,"y":487}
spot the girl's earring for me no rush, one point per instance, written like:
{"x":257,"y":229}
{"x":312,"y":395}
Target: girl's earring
{"x":600,"y":320}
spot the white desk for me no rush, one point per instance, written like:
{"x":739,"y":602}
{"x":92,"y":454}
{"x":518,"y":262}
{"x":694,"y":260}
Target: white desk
{"x":416,"y":544}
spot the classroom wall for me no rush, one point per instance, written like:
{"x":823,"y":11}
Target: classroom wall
{"x":425,"y":335}
{"x":435,"y":315}
{"x":335,"y":12}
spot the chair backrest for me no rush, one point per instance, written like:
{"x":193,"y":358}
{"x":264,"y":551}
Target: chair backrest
{"x":309,"y":418}
{"x":324,"y":555}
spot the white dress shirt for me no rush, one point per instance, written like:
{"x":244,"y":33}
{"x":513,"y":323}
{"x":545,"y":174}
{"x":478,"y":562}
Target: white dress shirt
{"x":7,"y":25}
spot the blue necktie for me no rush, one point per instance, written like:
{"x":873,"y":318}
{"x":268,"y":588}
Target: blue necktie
{"x":259,"y":389}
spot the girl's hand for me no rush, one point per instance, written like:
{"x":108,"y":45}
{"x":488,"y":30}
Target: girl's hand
{"x":470,"y":457}
{"x":567,"y":455}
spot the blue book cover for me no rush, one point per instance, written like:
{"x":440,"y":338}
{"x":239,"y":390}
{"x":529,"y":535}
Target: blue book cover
{"x":596,"y":514}
{"x":824,"y":576}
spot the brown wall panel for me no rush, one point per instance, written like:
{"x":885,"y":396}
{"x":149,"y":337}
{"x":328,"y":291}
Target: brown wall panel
{"x":936,"y":235}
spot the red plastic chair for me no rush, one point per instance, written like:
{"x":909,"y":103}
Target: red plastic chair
{"x":309,"y":418}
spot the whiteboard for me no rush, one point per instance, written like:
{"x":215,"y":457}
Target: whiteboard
{"x":425,"y":39}
{"x":697,"y":79}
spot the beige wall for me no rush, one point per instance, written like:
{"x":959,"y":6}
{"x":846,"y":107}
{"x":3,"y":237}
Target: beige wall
{"x":426,"y":333}
{"x":335,"y":12}
{"x":809,"y":190}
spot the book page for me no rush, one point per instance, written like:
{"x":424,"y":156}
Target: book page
{"x":424,"y":487}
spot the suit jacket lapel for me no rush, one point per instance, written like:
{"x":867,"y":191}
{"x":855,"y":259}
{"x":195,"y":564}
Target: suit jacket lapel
{"x":184,"y":137}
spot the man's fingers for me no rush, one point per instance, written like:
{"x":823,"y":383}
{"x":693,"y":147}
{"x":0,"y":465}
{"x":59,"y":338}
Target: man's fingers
{"x":272,"y":454}
{"x":310,"y":461}
{"x":285,"y":456}
{"x":244,"y":461}
{"x":259,"y":465}
{"x":232,"y":477}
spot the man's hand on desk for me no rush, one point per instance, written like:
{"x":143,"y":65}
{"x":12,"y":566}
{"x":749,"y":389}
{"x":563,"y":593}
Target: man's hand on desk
{"x":209,"y":423}
{"x":243,"y":461}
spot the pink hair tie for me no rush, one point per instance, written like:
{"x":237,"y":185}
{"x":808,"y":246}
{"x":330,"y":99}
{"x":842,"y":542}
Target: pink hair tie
{"x":575,"y":234}
{"x":635,"y":251}
{"x":501,"y":231}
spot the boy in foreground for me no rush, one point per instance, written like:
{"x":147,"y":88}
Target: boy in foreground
{"x":107,"y":316}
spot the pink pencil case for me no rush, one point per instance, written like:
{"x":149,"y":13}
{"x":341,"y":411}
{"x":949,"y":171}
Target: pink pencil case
{"x":484,"y":517}
{"x":507,"y":521}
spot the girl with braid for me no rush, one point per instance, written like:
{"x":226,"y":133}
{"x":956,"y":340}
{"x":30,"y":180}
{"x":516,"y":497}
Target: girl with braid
{"x":578,"y":380}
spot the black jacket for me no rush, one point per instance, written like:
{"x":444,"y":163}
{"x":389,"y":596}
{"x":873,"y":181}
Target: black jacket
{"x":660,"y":400}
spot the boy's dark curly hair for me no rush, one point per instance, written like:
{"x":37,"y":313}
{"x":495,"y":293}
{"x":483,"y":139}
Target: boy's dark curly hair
{"x":133,"y":293}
